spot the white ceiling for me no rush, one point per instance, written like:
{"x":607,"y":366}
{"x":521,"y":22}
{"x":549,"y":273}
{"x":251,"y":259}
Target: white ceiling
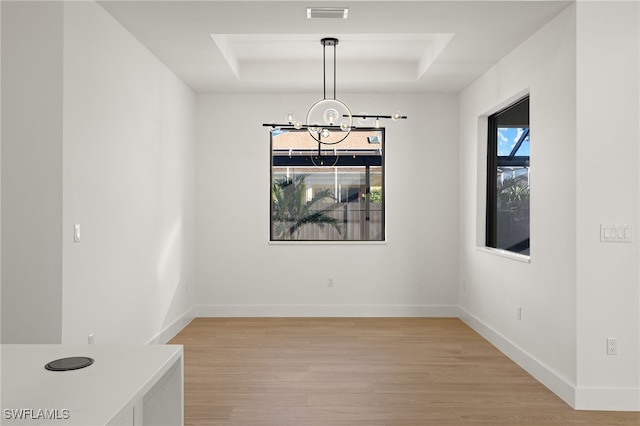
{"x":271,"y":46}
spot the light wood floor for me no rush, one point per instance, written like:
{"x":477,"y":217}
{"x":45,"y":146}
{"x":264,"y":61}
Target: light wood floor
{"x":364,"y":371}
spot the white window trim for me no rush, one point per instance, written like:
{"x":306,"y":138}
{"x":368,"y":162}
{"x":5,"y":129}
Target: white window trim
{"x":505,"y":253}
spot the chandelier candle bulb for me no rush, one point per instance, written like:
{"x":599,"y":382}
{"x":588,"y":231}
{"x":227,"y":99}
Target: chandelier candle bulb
{"x":330,"y":116}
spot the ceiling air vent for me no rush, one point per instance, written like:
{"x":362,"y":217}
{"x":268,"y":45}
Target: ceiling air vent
{"x":327,"y":12}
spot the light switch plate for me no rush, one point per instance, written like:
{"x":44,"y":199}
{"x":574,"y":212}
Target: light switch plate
{"x":616,"y":233}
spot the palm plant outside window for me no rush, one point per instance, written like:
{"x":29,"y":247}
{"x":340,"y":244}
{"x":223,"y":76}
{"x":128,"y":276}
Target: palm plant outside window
{"x":327,"y":192}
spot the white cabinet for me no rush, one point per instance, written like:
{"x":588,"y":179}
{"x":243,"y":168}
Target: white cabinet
{"x":126,"y":385}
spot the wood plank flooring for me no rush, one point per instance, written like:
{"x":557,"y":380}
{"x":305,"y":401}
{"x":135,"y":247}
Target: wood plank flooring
{"x":361,"y":371}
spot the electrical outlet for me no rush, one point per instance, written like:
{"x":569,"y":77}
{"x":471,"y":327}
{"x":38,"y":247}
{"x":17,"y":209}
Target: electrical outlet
{"x":330,"y":282}
{"x":612,"y":346}
{"x":90,"y":339}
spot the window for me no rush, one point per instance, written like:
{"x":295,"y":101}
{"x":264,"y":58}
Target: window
{"x":508,"y":178}
{"x":327,"y":192}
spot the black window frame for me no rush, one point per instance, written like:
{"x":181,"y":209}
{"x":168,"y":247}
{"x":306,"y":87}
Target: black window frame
{"x":345,"y":158}
{"x":511,"y":116}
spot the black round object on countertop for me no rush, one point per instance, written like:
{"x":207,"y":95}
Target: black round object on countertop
{"x":71,"y":363}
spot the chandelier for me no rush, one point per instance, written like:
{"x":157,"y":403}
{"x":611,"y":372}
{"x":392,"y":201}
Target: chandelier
{"x":330,"y":121}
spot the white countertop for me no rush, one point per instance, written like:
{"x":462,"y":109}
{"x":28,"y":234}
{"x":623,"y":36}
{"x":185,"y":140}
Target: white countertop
{"x":94,"y":395}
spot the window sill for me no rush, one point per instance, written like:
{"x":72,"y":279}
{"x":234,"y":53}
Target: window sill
{"x":327,"y":243}
{"x":504,"y":253}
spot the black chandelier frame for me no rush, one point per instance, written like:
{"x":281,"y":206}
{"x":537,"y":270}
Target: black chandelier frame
{"x":319,"y":131}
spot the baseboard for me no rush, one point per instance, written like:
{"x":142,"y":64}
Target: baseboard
{"x":545,"y":375}
{"x":170,"y":331}
{"x":607,"y":399}
{"x":443,"y":311}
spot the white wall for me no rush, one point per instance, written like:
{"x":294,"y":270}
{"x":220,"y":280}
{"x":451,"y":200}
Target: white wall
{"x":492,"y":287}
{"x":567,"y":312}
{"x":0,"y":176}
{"x":608,"y":81}
{"x":103,"y":135}
{"x":31,"y":172}
{"x":129,"y":181}
{"x":240,"y":273}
